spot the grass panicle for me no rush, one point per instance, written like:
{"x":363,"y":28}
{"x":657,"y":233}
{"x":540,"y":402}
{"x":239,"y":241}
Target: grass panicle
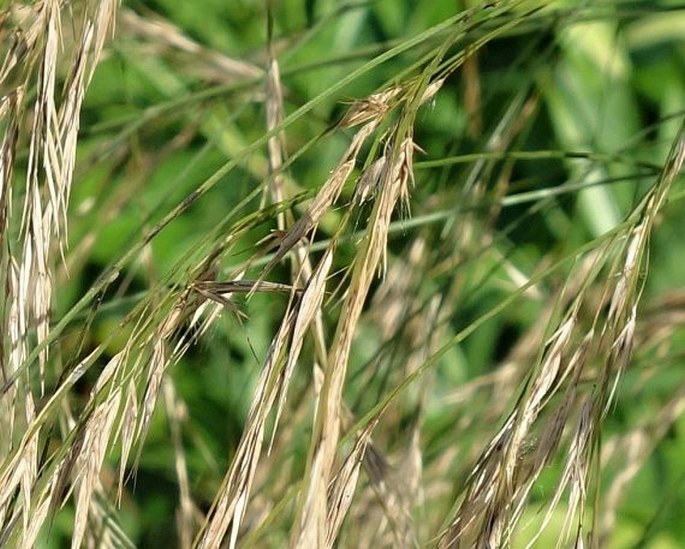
{"x":356,"y":275}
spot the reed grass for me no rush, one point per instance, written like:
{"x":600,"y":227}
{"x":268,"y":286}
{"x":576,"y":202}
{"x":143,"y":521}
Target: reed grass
{"x":363,"y":274}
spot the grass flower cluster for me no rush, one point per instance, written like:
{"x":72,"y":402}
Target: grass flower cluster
{"x":342,"y":274}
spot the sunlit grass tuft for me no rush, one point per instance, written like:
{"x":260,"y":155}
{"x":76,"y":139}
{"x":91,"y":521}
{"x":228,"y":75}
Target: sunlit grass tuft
{"x":341,"y":275}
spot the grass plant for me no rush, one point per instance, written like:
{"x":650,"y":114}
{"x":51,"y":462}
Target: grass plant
{"x":342,"y":274}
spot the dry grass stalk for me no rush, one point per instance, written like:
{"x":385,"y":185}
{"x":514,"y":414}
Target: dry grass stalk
{"x":95,"y":436}
{"x":165,"y":38}
{"x":411,"y":326}
{"x":324,"y":199}
{"x":501,"y":479}
{"x":185,"y":515}
{"x":310,"y":527}
{"x":370,"y":109}
{"x":276,"y":145}
{"x":638,"y":444}
{"x":231,"y":501}
{"x":165,"y":347}
{"x":382,"y":510}
{"x":230,"y":504}
{"x":35,"y":59}
{"x":555,"y":411}
{"x":343,"y":486}
{"x":497,"y":482}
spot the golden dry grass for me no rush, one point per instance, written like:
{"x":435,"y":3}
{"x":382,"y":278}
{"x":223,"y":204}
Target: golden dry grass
{"x":329,"y":454}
